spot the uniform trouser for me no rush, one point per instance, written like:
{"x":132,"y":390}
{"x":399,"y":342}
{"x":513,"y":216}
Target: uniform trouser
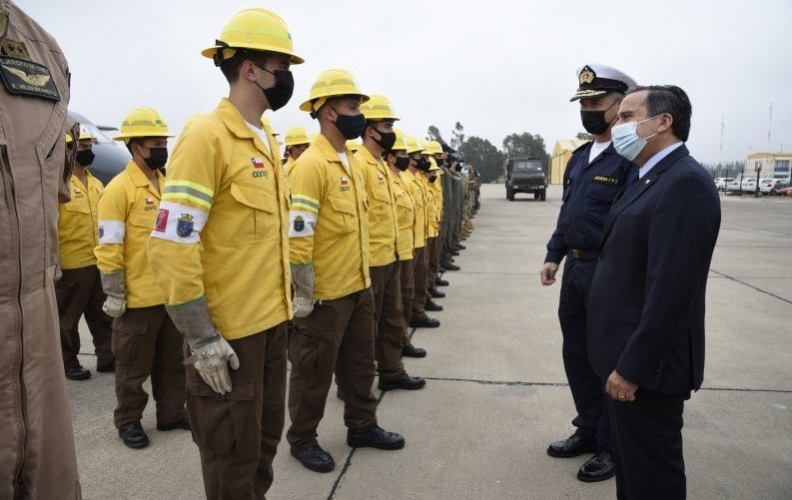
{"x":386,"y":286}
{"x":408,"y":295}
{"x":647,"y":446}
{"x":420,"y":278}
{"x":79,"y":292}
{"x":338,"y":336}
{"x":587,"y":390}
{"x":238,"y":434}
{"x":433,"y":261}
{"x":147,"y":343}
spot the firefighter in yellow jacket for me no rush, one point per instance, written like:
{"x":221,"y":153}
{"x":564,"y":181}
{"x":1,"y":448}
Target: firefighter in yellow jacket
{"x":79,"y":291}
{"x":433,"y":148}
{"x":334,"y":305}
{"x":384,"y":265}
{"x":398,"y":162}
{"x":434,"y":207}
{"x":296,"y":143}
{"x":414,"y":180}
{"x":145,"y":340}
{"x":221,"y":252}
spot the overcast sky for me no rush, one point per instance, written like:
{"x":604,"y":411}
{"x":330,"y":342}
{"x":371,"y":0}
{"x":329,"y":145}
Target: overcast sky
{"x":498,"y":67}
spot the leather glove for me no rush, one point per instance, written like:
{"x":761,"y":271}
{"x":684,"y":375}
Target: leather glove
{"x":303,"y":284}
{"x":211,"y":353}
{"x":114,"y":286}
{"x":212,"y":361}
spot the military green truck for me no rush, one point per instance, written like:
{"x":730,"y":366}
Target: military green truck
{"x":525,"y":175}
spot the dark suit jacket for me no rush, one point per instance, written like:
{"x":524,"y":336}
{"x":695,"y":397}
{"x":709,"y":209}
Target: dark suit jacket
{"x":646,"y":305}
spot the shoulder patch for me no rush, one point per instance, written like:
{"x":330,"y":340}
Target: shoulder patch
{"x":23,"y":77}
{"x":14,"y":49}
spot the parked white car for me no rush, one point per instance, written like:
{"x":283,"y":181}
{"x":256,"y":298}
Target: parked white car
{"x":771,"y":186}
{"x":749,"y":184}
{"x":722,"y":182}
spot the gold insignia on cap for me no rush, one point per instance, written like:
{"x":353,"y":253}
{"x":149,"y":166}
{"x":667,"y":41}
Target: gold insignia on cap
{"x":587,"y":75}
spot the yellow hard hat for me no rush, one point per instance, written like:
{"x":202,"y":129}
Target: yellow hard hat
{"x":296,"y":136}
{"x":253,"y":29}
{"x":85,"y":135}
{"x":414,"y":145}
{"x":353,"y":145}
{"x":433,"y":164}
{"x":332,"y":83}
{"x":378,"y":107}
{"x":401,"y":141}
{"x":433,"y":148}
{"x":143,"y":122}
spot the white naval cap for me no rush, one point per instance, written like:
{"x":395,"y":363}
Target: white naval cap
{"x":597,"y":79}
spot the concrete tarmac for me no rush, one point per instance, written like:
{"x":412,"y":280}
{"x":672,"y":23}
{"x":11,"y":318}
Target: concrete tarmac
{"x":497,"y":395}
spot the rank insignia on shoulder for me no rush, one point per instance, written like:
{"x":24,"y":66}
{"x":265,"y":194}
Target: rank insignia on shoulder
{"x":299,"y":223}
{"x":184,"y":226}
{"x":20,"y":76}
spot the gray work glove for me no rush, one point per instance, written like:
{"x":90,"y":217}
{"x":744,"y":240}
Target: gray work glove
{"x":303,"y":284}
{"x":115,"y":288}
{"x":211,"y":353}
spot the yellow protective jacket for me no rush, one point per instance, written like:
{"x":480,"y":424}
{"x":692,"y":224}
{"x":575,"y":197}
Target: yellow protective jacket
{"x":329,"y":221}
{"x":413,"y":185}
{"x":127,"y":212}
{"x":382,"y":209}
{"x":432,"y":210}
{"x":289,"y":164}
{"x":405,"y":215}
{"x":222,"y":231}
{"x":78,"y":223}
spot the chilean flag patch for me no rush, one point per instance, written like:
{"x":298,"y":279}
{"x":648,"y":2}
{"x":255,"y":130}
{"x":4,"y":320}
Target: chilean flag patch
{"x":257,"y":162}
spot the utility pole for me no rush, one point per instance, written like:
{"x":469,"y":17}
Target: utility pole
{"x":769,"y":130}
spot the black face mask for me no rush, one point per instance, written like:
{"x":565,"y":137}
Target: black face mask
{"x":351,"y":127}
{"x":157,"y":159}
{"x":594,"y":121}
{"x":279,"y":95}
{"x":387,"y":140}
{"x":423,"y":165}
{"x":402,"y":163}
{"x":85,"y":157}
{"x":432,"y":178}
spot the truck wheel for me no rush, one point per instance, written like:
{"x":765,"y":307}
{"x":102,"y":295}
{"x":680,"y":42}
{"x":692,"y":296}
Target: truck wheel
{"x":510,"y":194}
{"x":536,"y":195}
{"x":543,"y":195}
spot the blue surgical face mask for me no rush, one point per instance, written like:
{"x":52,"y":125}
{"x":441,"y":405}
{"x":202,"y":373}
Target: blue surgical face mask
{"x":626,"y":141}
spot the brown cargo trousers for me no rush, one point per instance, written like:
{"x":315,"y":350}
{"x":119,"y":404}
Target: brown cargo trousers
{"x":338,"y":336}
{"x":238,"y":433}
{"x":433,"y":246}
{"x":408,"y":295}
{"x":421,"y":278}
{"x":386,"y":286}
{"x":79,"y":292}
{"x":147,"y":343}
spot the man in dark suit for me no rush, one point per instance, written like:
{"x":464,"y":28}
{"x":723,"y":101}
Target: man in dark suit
{"x":646,"y":304}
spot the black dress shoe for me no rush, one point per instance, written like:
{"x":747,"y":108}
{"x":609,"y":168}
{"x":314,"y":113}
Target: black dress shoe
{"x":432,"y":306}
{"x":436,"y":294}
{"x":405,"y":382}
{"x":461,"y":247}
{"x":182,"y":423}
{"x":314,"y":458}
{"x":451,"y":267}
{"x":455,"y":253}
{"x":597,"y":468}
{"x":411,"y":351}
{"x":441,"y":282}
{"x":133,"y":435}
{"x":376,"y":437}
{"x":572,"y":446}
{"x":425,"y":323}
{"x":106,"y":368}
{"x":78,"y":373}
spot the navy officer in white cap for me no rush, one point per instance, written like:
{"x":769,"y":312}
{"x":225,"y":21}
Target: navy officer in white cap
{"x":594,"y":176}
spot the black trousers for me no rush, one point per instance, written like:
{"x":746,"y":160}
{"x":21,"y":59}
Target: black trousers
{"x":586,"y":387}
{"x":647,"y":446}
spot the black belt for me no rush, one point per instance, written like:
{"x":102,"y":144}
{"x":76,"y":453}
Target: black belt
{"x":578,"y":254}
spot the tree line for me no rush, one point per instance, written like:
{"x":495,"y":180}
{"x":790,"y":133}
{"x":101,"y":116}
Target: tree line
{"x":487,"y":158}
